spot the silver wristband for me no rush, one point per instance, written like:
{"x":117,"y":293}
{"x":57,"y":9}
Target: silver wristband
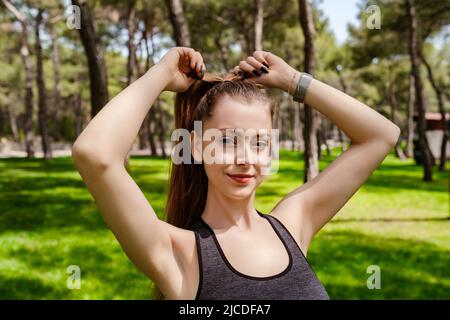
{"x":302,"y":86}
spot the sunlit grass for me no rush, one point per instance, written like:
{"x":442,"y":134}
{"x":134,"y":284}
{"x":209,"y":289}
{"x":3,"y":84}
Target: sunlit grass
{"x":49,"y":221}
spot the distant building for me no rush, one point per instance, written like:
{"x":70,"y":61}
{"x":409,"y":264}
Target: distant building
{"x":434,"y":133}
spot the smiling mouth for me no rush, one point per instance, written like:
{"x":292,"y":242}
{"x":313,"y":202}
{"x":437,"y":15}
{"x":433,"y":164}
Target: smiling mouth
{"x":240,"y":178}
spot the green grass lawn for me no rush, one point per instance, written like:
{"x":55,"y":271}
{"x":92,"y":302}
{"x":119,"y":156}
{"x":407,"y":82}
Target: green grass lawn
{"x":48,"y":221}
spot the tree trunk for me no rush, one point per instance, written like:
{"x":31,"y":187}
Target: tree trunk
{"x":319,"y":144}
{"x":96,"y":62}
{"x":440,"y":98}
{"x":179,"y":25}
{"x":311,"y":118}
{"x":13,"y":122}
{"x":148,"y":26}
{"x":25,"y":54}
{"x":224,"y":51}
{"x":56,"y":109}
{"x":40,"y":81}
{"x":150,"y":131}
{"x":426,"y":155}
{"x":151,"y":123}
{"x":411,"y":102}
{"x":344,"y":89}
{"x":132,"y":65}
{"x":138,"y":57}
{"x":78,"y":106}
{"x":297,"y":128}
{"x":258,"y":24}
{"x":162,"y":128}
{"x":131,"y":28}
{"x":393,"y":106}
{"x":143,"y":130}
{"x":143,"y":134}
{"x":323,"y":138}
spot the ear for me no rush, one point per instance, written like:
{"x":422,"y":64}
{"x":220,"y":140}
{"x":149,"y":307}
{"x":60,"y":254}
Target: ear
{"x":196,"y":147}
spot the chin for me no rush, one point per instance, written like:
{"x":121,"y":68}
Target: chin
{"x":239,"y":192}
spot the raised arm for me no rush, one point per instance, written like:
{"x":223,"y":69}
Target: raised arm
{"x":111,"y":133}
{"x":309,"y":207}
{"x":98,"y":154}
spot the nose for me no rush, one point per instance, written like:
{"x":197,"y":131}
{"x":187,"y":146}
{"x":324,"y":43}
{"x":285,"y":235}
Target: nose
{"x":244,"y":154}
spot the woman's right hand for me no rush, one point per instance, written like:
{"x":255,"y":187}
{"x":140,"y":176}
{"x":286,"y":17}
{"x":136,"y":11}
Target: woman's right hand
{"x":183,"y":65}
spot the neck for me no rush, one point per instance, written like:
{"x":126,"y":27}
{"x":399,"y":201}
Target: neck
{"x":224,"y":212}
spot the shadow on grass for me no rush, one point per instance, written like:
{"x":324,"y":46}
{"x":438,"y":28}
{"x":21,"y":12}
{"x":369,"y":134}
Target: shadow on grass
{"x":60,"y":164}
{"x":37,"y":211}
{"x":17,"y":288}
{"x":409,"y":269}
{"x":37,"y":195}
{"x":106,"y":273}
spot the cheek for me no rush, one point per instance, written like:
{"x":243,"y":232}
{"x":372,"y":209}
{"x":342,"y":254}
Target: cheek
{"x":259,"y":179}
{"x":213,"y":171}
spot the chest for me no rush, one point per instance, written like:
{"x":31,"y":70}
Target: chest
{"x":256,"y":254}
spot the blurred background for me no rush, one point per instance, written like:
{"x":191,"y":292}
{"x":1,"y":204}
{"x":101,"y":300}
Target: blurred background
{"x":61,"y":61}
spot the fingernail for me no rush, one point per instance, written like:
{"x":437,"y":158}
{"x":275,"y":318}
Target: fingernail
{"x":202,"y":72}
{"x":264,"y":69}
{"x":256,"y":72}
{"x":193,"y":72}
{"x":267,"y":66}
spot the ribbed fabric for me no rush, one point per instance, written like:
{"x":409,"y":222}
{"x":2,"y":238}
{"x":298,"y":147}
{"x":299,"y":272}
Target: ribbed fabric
{"x":220,"y":281}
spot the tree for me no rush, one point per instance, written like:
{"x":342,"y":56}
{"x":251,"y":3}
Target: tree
{"x":131,"y":28}
{"x":440,"y":99}
{"x":94,"y":54}
{"x":180,"y":27}
{"x":25,"y":54}
{"x":40,"y":81}
{"x":372,"y":45}
{"x":56,"y":102}
{"x":258,"y":24}
{"x":311,"y":117}
{"x":426,"y":155}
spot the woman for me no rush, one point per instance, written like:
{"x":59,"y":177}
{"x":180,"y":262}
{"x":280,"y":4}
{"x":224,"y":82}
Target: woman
{"x":215,"y":244}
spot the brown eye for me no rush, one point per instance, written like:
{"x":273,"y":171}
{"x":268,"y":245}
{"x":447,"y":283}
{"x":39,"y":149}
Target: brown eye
{"x":260,"y":144}
{"x":228,"y":140}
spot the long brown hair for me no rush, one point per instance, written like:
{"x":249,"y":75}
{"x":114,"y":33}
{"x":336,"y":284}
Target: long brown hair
{"x":188,"y":184}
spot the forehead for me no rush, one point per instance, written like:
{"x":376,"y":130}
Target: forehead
{"x":238,"y":113}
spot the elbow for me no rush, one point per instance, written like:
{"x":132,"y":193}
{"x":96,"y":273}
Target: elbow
{"x":86,"y":157}
{"x":394,"y":135}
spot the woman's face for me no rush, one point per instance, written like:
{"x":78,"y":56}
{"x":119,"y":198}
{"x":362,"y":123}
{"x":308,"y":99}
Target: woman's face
{"x":239,"y":142}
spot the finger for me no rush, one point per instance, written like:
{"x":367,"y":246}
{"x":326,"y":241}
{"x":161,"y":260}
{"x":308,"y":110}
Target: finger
{"x":196,"y":65}
{"x":190,"y":53}
{"x":238,"y":71}
{"x":248,"y":69}
{"x":200,"y":67}
{"x":257,"y":65}
{"x":260,"y":56}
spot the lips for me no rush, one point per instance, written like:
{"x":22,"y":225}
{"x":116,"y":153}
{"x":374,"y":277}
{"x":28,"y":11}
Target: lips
{"x":240,"y":178}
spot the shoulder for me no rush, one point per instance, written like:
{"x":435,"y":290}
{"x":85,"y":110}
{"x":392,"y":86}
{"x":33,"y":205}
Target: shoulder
{"x":293,"y":224}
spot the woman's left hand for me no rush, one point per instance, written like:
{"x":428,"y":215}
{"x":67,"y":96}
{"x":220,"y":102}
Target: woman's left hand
{"x":267,"y":69}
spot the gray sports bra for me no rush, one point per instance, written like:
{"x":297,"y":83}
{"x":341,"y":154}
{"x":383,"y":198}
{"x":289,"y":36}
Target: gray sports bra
{"x":220,"y":281}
